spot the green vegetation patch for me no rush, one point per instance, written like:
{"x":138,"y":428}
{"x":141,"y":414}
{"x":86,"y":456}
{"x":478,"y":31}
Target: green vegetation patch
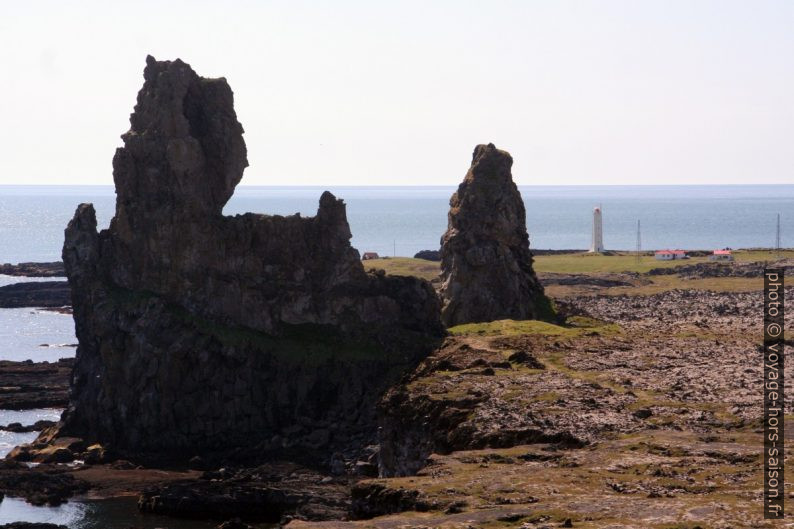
{"x":616,"y":262}
{"x":576,"y":326}
{"x":572,"y":263}
{"x":405,"y":266}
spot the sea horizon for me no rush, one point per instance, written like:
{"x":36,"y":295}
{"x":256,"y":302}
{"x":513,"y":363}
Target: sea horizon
{"x":242,"y":185}
{"x":402,"y":220}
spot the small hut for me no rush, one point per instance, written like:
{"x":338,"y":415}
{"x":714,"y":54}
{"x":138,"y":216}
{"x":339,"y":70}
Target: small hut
{"x":721,"y":255}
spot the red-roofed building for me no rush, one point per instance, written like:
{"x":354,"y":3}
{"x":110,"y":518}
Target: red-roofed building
{"x":721,"y":255}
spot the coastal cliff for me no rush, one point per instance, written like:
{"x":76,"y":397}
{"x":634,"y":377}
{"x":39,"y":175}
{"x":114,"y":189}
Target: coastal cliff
{"x":200,"y":332}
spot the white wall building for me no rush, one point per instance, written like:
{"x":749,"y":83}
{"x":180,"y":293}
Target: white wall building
{"x":669,"y":255}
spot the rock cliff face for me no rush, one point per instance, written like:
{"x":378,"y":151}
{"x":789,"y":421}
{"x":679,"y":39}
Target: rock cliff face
{"x":486,"y":265}
{"x":201,"y":332}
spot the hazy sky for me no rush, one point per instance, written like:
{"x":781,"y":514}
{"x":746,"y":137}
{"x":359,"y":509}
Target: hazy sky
{"x":398,"y":93}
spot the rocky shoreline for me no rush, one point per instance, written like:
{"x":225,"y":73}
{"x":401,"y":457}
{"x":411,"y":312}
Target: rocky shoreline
{"x":42,"y":294}
{"x":52,"y":269}
{"x":621,"y":366}
{"x":30,"y":385}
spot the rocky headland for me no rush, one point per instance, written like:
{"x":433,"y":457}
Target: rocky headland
{"x":203,"y":335}
{"x":645,"y":412}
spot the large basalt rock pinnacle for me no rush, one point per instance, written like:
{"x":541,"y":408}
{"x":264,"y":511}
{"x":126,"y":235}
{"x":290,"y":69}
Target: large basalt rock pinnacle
{"x":486,"y":265}
{"x":202,"y":332}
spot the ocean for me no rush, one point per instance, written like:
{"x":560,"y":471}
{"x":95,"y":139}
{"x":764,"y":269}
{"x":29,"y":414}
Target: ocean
{"x":405,"y":220}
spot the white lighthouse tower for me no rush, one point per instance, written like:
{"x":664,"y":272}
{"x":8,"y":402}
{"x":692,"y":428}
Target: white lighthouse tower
{"x":597,"y":246}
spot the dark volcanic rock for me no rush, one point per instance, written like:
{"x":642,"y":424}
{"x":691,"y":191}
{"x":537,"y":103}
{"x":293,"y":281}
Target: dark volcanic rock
{"x":370,"y":499}
{"x":28,"y":385}
{"x":39,"y":294}
{"x":450,"y":403}
{"x":54,"y":269}
{"x":31,"y":525}
{"x":42,"y":485}
{"x":219,"y":501}
{"x":428,"y":255}
{"x":263,"y":494}
{"x":235,"y":524}
{"x":18,"y":427}
{"x":200,"y":332}
{"x":606,"y":281}
{"x":486,"y":265}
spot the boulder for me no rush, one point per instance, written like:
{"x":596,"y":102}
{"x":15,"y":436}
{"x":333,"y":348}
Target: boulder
{"x":486,"y":265}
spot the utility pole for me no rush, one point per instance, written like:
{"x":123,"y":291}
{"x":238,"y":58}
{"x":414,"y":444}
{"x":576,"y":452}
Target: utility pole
{"x":777,"y":236}
{"x":639,"y":242}
{"x":394,"y":252}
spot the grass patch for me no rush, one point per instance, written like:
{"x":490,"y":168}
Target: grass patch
{"x":577,"y":327}
{"x":405,"y":266}
{"x":714,"y":284}
{"x":661,"y":284}
{"x":587,"y":263}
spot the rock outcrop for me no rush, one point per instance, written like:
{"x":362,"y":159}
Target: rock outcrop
{"x":35,"y":294}
{"x":54,"y":269}
{"x":29,"y":385}
{"x":200,"y":332}
{"x":486,"y":265}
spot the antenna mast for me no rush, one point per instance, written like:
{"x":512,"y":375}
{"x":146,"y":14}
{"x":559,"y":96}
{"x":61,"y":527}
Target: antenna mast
{"x":777,"y":236}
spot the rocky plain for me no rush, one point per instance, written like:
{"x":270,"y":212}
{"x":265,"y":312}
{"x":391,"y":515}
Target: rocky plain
{"x":250,"y":370}
{"x":637,"y":411}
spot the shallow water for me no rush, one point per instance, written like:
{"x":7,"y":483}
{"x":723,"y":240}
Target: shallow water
{"x":116,"y":513}
{"x":23,"y":333}
{"x":6,"y":280}
{"x":8,"y":440}
{"x":29,"y":416}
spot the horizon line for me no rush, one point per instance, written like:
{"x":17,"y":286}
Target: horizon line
{"x":426,"y":185}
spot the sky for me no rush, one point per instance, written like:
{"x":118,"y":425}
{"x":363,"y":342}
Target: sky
{"x":399,"y":93}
